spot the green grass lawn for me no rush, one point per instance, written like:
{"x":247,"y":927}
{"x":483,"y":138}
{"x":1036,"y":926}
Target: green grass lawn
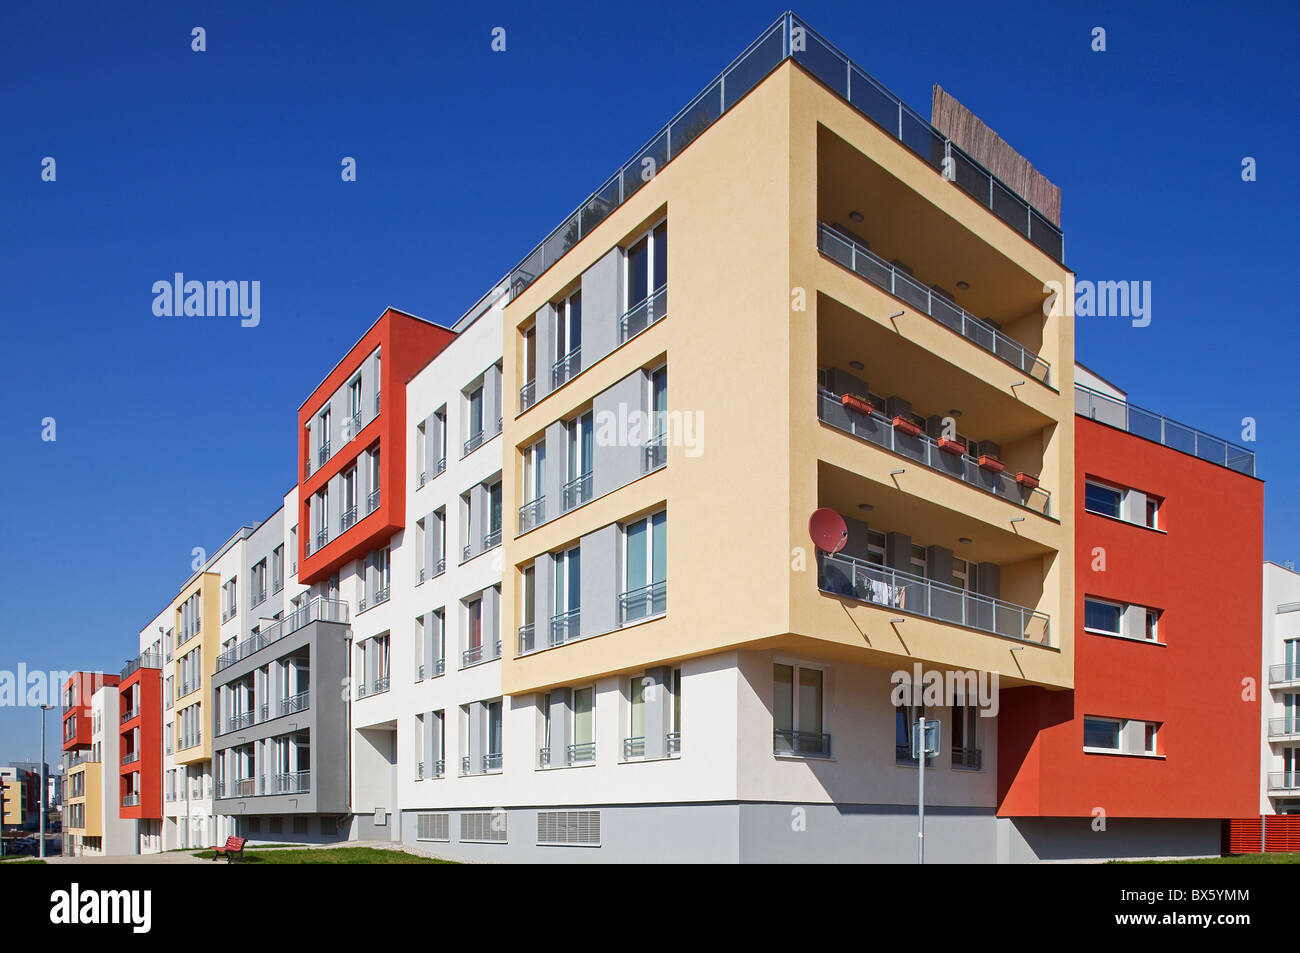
{"x":328,"y":855}
{"x":14,"y":861}
{"x":1284,"y":858}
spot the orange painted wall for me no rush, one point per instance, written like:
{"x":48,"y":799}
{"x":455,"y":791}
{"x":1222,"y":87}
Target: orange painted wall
{"x":150,"y":765}
{"x":1204,"y":572}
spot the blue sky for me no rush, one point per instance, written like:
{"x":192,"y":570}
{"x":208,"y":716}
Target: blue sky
{"x":225,"y":164}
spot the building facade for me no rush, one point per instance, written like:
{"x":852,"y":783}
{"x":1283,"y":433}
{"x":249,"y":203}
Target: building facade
{"x":1280,"y":692}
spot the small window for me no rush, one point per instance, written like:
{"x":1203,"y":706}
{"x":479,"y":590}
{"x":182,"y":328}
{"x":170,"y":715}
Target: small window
{"x":1150,"y":739}
{"x":1153,"y":625}
{"x":1101,"y":733}
{"x":1101,"y":616}
{"x":1104,"y":500}
{"x":1153,"y":512}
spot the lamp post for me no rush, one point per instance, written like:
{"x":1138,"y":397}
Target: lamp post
{"x":44,"y":781}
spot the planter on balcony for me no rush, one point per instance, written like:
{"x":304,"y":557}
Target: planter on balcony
{"x":906,"y":426}
{"x":952,"y":446}
{"x":1027,"y":481}
{"x":992,"y":464}
{"x":854,"y":402}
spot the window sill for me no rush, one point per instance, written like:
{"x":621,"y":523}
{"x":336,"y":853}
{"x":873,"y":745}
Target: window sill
{"x":667,"y":757}
{"x":1124,"y":754}
{"x":565,"y":767}
{"x":1120,"y":519}
{"x":792,"y":756}
{"x":1126,"y":638}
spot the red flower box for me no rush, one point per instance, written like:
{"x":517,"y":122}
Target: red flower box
{"x":1027,"y":481}
{"x":905,"y":425}
{"x":992,"y":464}
{"x":854,"y":402}
{"x":952,"y":446}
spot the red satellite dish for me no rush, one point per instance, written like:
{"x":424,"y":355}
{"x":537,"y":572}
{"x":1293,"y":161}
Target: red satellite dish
{"x":827,"y":529}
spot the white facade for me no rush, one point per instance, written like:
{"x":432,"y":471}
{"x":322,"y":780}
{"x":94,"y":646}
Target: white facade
{"x":1280,"y":692}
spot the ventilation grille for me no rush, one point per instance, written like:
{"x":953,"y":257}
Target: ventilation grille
{"x":581,"y":828}
{"x":485,"y":826}
{"x":433,"y":827}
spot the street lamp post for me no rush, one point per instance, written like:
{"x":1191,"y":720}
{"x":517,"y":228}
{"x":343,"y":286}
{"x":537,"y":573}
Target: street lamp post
{"x":44,"y":781}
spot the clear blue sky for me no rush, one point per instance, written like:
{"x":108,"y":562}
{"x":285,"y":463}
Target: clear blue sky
{"x":225,"y":164}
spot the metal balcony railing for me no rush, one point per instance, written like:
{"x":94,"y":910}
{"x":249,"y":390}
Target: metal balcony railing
{"x":643,"y":314}
{"x":439,"y":667}
{"x":1159,"y":429}
{"x":642,"y":603}
{"x":544,"y":757}
{"x":131,"y":757}
{"x":491,"y":540}
{"x":295,"y":703}
{"x":419,"y":672}
{"x":903,"y":591}
{"x":229,"y":612}
{"x":323,"y":454}
{"x":440,"y":466}
{"x":1283,"y":780}
{"x":577,"y":491}
{"x":348,"y":517}
{"x":814,"y":744}
{"x":1285,"y":672}
{"x":527,"y":395}
{"x":674,"y":742}
{"x":527,"y":638}
{"x":243,"y":719}
{"x":128,"y":715}
{"x":970,"y":759}
{"x":881,"y":273}
{"x":492,"y":762}
{"x":877,"y":429}
{"x":318,"y":610}
{"x":423,"y":572}
{"x":566,"y":626}
{"x":439,"y":768}
{"x":655,"y":453}
{"x":424,"y":478}
{"x":131,"y":800}
{"x":372,"y":501}
{"x":473,"y":443}
{"x":480,"y":653}
{"x":322,"y":537}
{"x":633,"y":747}
{"x":532,"y":513}
{"x":440,"y":566}
{"x":583,"y":753}
{"x":294,"y":782}
{"x":566,"y":368}
{"x":356,"y":421}
{"x":263,"y":712}
{"x":1286,"y":725}
{"x":380,"y":684}
{"x":258,"y":598}
{"x":144,"y":660}
{"x":464,"y":765}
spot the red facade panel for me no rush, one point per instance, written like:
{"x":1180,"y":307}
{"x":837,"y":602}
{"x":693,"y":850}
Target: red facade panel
{"x":147,"y":741}
{"x":1201,"y":569}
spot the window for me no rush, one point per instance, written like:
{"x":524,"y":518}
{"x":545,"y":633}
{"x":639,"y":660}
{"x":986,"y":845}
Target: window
{"x":494,"y":515}
{"x":659,"y":399}
{"x":1149,"y":738}
{"x":584,"y":720}
{"x":647,"y":265}
{"x":375,"y":477}
{"x":568,"y":327}
{"x":534,"y":476}
{"x":349,"y":486}
{"x":579,"y":432}
{"x":1153,"y":512}
{"x":905,"y":717}
{"x":1101,"y":733}
{"x":797,"y":707}
{"x":354,"y":400}
{"x":277,"y":568}
{"x":1152,"y":625}
{"x":568,"y":596}
{"x":1104,"y":500}
{"x":965,"y":738}
{"x":1101,"y":616}
{"x":645,"y":562}
{"x":475,"y":410}
{"x":530,"y":355}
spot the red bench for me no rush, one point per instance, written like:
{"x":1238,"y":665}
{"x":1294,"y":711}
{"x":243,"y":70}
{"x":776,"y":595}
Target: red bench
{"x":234,"y":848}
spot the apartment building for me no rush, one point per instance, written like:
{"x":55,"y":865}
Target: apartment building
{"x":78,"y":751}
{"x":1279,"y":732}
{"x":140,"y":745}
{"x":1158,"y":742}
{"x":93,"y":824}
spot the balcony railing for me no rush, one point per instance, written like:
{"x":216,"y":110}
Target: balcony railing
{"x":492,"y":539}
{"x":878,"y":429}
{"x":655,"y":453}
{"x":229,"y":612}
{"x":379,"y":685}
{"x":295,"y":703}
{"x":674,"y":742}
{"x":1283,"y":780}
{"x":131,"y":757}
{"x":439,"y":768}
{"x":544,"y":757}
{"x":145,"y":660}
{"x":439,"y":667}
{"x":294,"y":782}
{"x":440,"y":466}
{"x":440,"y":566}
{"x":969,"y":759}
{"x":1286,"y":672}
{"x":532,"y":513}
{"x":348,"y":517}
{"x":131,"y":800}
{"x":322,"y":537}
{"x":634,"y":747}
{"x":885,"y":276}
{"x":473,"y":443}
{"x":640,"y":316}
{"x":372,"y":501}
{"x":811,"y":744}
{"x":1152,"y":426}
{"x":323,"y":454}
{"x":566,"y":367}
{"x":527,"y":638}
{"x":492,"y":762}
{"x":527,"y":395}
{"x":243,"y":719}
{"x":566,"y":626}
{"x":318,"y":610}
{"x":258,"y":598}
{"x":480,"y":653}
{"x":128,"y":715}
{"x":1282,"y":727}
{"x":896,"y":590}
{"x":356,"y":422}
{"x":419,"y":771}
{"x":643,"y":603}
{"x":577,"y":491}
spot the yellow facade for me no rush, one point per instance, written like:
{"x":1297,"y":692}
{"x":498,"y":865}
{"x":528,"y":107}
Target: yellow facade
{"x":13,"y":792}
{"x":91,"y":798}
{"x":207,"y":640}
{"x":743,"y":204}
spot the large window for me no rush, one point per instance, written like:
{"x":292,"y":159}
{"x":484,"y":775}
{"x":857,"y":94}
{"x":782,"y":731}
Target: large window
{"x":1104,"y":500}
{"x":647,"y":265}
{"x":584,"y":722}
{"x":568,"y":325}
{"x":905,"y":718}
{"x":966,"y":751}
{"x":645,"y":561}
{"x":1101,"y":616}
{"x":798,"y":703}
{"x":568,"y":595}
{"x":1102,"y":733}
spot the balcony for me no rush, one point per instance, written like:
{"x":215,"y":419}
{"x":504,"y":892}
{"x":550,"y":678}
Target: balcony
{"x":440,"y":466}
{"x":655,"y":453}
{"x":1162,"y":430}
{"x":492,"y":539}
{"x":477,"y":654}
{"x":905,"y":592}
{"x":634,"y":747}
{"x":258,"y":598}
{"x":379,"y":685}
{"x":532,"y":514}
{"x":1284,"y":674}
{"x":577,"y":491}
{"x":381,"y":596}
{"x":566,"y":368}
{"x":1286,"y":727}
{"x":527,"y":395}
{"x":885,"y":276}
{"x":293,"y":782}
{"x":574,"y":754}
{"x":323,"y":454}
{"x":487,"y":764}
{"x":238,"y":722}
{"x":318,"y":610}
{"x":967,"y":759}
{"x":439,"y":768}
{"x":356,"y":421}
{"x":322,"y":537}
{"x":640,"y":316}
{"x":131,"y":757}
{"x":131,"y":800}
{"x":295,"y":703}
{"x":566,"y":627}
{"x":347,"y":518}
{"x":128,"y":715}
{"x":439,"y":667}
{"x":473,"y":443}
{"x":1285,"y":781}
{"x":372,"y":501}
{"x":806,"y":744}
{"x":643,"y":603}
{"x":527,"y":638}
{"x":145,"y":660}
{"x":229,"y":612}
{"x":876,"y":428}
